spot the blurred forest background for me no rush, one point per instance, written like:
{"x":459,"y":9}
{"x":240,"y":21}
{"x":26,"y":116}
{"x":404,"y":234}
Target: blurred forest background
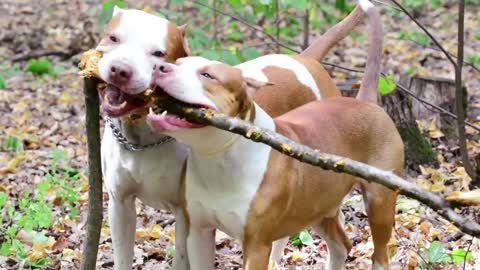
{"x":43,"y":184}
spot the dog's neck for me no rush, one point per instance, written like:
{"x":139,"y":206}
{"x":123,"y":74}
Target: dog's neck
{"x":138,"y":133}
{"x":236,"y":170}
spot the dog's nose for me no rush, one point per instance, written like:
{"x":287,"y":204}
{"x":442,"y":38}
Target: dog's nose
{"x":163,"y":68}
{"x":121,"y":72}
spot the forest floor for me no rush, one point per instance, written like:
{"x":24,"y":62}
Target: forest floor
{"x":43,"y":147}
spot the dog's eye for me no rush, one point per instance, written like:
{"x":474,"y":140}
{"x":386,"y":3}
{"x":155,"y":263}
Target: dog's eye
{"x":158,"y":54}
{"x":113,"y":38}
{"x":206,"y":75}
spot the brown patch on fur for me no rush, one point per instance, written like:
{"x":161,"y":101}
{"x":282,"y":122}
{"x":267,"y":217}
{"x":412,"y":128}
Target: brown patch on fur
{"x":227,"y":91}
{"x":175,"y":43}
{"x":110,"y":29}
{"x":306,"y":194}
{"x":288,"y":93}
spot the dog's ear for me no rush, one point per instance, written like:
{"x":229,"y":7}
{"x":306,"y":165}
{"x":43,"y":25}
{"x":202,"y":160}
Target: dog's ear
{"x":253,"y":85}
{"x":116,"y":10}
{"x":183,"y":30}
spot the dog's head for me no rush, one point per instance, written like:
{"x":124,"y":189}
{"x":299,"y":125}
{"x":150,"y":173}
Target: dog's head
{"x":205,"y":83}
{"x":134,"y":42}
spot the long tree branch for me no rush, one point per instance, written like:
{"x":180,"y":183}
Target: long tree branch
{"x":324,"y":161}
{"x":425,"y":30}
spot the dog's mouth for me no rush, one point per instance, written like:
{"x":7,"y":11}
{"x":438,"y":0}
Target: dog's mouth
{"x":117,"y":103}
{"x":160,"y":120}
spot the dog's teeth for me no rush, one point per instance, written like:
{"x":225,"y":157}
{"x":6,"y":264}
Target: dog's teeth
{"x":150,"y":110}
{"x":164,"y":113}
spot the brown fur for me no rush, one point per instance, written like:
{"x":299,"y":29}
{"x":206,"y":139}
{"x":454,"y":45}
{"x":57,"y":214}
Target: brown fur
{"x":110,"y":28}
{"x":307,"y":194}
{"x":287,"y":93}
{"x":176,"y":46}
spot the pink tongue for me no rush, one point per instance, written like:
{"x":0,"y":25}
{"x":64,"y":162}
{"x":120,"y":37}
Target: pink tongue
{"x":162,"y":123}
{"x":114,"y":95}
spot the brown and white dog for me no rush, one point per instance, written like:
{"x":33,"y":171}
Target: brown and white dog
{"x":258,"y":195}
{"x":133,"y":44}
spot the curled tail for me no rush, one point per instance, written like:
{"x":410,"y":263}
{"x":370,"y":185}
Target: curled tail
{"x":368,"y":89}
{"x":322,"y":45}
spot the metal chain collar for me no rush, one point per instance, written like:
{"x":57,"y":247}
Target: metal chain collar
{"x":123,"y":141}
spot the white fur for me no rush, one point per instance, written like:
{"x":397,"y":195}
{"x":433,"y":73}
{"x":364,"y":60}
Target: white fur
{"x":153,"y":176}
{"x":218,"y":194}
{"x":365,"y":5}
{"x":139,"y":34}
{"x":191,"y":90}
{"x":254,"y":69}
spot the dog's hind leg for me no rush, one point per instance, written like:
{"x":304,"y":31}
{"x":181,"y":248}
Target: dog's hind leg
{"x":380,"y":205}
{"x":180,"y":260}
{"x":256,"y":255}
{"x":122,"y":220}
{"x":338,"y":244}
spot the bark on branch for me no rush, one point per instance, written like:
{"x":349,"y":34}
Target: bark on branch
{"x":95,"y":205}
{"x":324,"y":161}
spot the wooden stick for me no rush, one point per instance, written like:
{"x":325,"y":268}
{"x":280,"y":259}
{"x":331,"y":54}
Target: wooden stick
{"x":95,"y":195}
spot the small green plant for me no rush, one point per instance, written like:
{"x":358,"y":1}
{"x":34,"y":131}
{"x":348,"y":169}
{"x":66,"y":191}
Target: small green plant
{"x":40,"y":67}
{"x":14,"y":144}
{"x":302,"y":238}
{"x":475,"y":59}
{"x":416,"y":37}
{"x":33,"y":212}
{"x":3,"y":83}
{"x":438,"y":255}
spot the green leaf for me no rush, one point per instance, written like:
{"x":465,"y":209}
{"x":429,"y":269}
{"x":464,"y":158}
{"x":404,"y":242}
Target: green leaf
{"x":459,"y":255}
{"x":14,"y":144}
{"x":170,"y":251}
{"x":437,"y":254}
{"x":3,"y":199}
{"x":386,"y":85}
{"x":57,"y":155}
{"x":305,"y":237}
{"x":250,"y":53}
{"x":5,"y":249}
{"x":3,"y":83}
{"x":40,"y":66}
{"x":107,"y":12}
{"x":40,"y":238}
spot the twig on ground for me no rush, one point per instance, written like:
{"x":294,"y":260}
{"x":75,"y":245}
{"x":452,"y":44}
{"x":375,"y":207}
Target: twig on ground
{"x":323,"y":160}
{"x":466,"y":253}
{"x":95,"y":194}
{"x":42,"y":53}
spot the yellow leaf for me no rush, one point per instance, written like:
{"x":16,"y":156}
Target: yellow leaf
{"x":148,"y":9}
{"x":155,"y":231}
{"x":38,"y":252}
{"x":296,"y":256}
{"x":437,"y":187}
{"x":467,"y":197}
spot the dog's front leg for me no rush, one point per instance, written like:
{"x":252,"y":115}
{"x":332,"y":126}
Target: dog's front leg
{"x":122,"y":219}
{"x":201,"y":248}
{"x":180,"y":260}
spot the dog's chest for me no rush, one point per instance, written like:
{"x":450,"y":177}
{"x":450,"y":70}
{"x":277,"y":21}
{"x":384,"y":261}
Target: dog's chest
{"x":153,"y":175}
{"x":219,"y":192}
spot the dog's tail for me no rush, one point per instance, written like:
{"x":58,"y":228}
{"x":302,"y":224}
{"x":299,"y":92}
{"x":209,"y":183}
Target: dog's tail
{"x":322,"y":45}
{"x":368,"y":89}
